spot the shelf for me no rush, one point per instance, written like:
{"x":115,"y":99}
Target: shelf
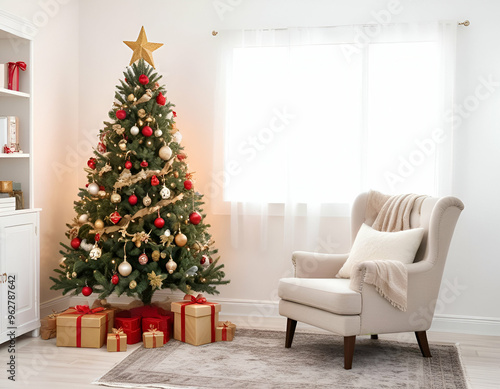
{"x":10,"y":93}
{"x":14,"y":155}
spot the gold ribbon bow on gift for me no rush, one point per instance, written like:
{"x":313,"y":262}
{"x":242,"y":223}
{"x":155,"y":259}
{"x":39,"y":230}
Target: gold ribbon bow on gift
{"x":152,"y":328}
{"x":227,"y":324}
{"x":118,"y":331}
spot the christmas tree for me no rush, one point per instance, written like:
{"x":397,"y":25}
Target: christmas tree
{"x":139,"y":226}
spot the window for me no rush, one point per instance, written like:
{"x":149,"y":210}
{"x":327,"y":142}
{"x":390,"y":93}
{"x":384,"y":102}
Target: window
{"x":312,"y":116}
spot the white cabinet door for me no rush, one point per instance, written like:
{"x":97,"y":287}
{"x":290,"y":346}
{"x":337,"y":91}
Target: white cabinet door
{"x":19,"y":249}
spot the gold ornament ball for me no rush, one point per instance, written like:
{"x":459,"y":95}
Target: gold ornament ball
{"x":132,"y":284}
{"x":203,"y":280}
{"x":74,"y":275}
{"x":102,"y":194}
{"x":149,"y":119}
{"x":130,"y":97}
{"x":176,"y":174}
{"x":113,"y":261}
{"x":125,"y":268}
{"x":186,"y":222}
{"x":115,"y":198}
{"x":172,"y":185}
{"x":99,"y":224}
{"x":149,"y":143}
{"x":155,"y":255}
{"x":68,"y":275}
{"x":168,"y":214}
{"x":171,"y":266}
{"x":140,"y":141}
{"x":180,"y":240}
{"x":146,"y":201}
{"x":122,"y":145}
{"x":140,"y":123}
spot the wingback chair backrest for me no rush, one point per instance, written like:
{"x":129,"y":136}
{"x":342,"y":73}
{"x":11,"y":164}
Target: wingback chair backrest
{"x":437,"y":216}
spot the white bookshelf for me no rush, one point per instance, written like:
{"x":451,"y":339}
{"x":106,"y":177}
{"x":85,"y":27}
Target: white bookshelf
{"x":19,"y":229}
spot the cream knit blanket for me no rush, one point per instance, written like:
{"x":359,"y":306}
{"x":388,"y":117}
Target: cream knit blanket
{"x":390,"y":278}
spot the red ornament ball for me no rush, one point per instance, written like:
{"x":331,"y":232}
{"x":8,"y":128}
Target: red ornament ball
{"x":155,"y":181}
{"x":128,"y":165}
{"x":115,"y":279}
{"x":75,"y":243}
{"x":195,"y":218}
{"x":143,"y":259}
{"x":143,"y":79}
{"x":121,"y":114}
{"x":159,"y":222}
{"x":181,"y":157}
{"x":188,"y":185}
{"x":87,"y":290}
{"x":147,"y":131}
{"x":144,"y":164}
{"x":132,"y":199}
{"x":160,"y":99}
{"x":91,"y":163}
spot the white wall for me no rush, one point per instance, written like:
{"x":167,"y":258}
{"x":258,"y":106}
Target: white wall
{"x":56,"y":114}
{"x":188,"y":63}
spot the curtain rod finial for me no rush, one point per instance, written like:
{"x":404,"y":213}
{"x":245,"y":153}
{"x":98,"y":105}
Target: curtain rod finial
{"x":214,"y":33}
{"x":464,"y":23}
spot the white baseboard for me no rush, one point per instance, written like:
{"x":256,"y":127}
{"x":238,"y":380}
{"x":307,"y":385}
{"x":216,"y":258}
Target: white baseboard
{"x":466,"y":324}
{"x":55,"y":305}
{"x":265,"y":314}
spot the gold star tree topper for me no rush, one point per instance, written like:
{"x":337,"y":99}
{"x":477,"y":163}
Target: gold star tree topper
{"x":142,"y":48}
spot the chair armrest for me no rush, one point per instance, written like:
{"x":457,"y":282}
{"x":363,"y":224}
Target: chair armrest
{"x":316,"y":265}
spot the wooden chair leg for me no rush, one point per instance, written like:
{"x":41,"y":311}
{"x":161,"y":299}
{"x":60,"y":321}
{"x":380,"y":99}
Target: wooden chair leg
{"x":349,"y":342}
{"x":423,"y":344}
{"x":290,"y":331}
{"x":374,"y":336}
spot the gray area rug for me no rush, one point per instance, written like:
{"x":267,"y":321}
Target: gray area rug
{"x":258,"y":359}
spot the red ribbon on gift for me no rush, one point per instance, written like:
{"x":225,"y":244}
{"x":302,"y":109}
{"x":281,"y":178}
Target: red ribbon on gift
{"x":196,"y":300}
{"x":117,"y":333}
{"x":12,"y":70}
{"x":84,"y":310}
{"x":224,"y":330}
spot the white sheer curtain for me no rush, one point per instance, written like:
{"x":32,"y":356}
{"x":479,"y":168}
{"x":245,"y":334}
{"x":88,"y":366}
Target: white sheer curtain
{"x":310,"y":117}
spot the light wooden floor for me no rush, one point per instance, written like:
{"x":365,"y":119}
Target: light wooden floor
{"x":42,"y":365}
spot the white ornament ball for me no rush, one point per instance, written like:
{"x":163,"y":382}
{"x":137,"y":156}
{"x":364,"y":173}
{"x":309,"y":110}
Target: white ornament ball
{"x":177,"y":137}
{"x":165,"y":154}
{"x":158,"y":133}
{"x":93,"y":189}
{"x":84,"y":218}
{"x":95,"y":253}
{"x":165,"y":193}
{"x":134,"y":130}
{"x":125,"y":268}
{"x":146,"y":201}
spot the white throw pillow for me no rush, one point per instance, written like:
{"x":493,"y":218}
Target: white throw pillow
{"x":371,"y":245}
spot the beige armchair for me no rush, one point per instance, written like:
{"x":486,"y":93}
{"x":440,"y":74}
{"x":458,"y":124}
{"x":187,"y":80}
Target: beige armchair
{"x":314,"y":296}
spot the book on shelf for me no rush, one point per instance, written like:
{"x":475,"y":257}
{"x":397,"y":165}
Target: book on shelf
{"x":9,"y":134}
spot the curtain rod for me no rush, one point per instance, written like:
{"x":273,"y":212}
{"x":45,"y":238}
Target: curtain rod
{"x":465,"y":23}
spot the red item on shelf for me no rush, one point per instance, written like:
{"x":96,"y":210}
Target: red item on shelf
{"x":13,"y":71}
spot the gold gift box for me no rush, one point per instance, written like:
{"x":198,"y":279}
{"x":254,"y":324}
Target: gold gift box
{"x":117,"y":339}
{"x":5,"y":186}
{"x":198,"y":322}
{"x":93,"y":330}
{"x":225,"y":331}
{"x":152,"y":339}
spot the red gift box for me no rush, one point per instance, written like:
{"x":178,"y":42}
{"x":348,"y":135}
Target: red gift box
{"x":161,"y":323}
{"x":131,"y":326}
{"x":145,"y":311}
{"x":133,"y":337}
{"x":13,"y":72}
